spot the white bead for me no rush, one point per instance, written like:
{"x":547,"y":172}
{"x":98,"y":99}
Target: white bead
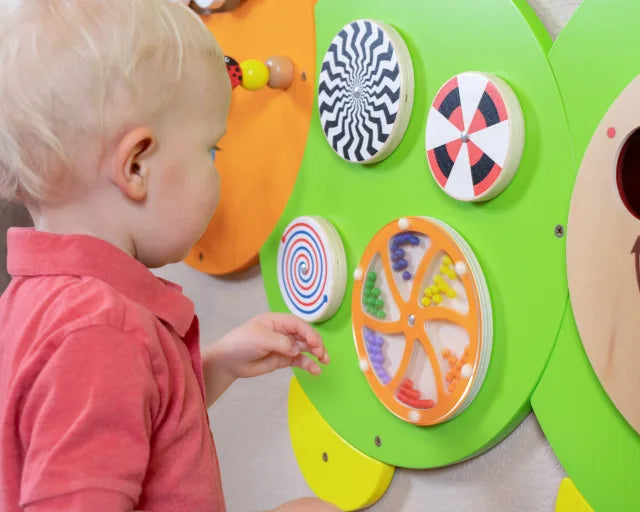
{"x":358,"y":274}
{"x":364,"y":365}
{"x":466,"y":371}
{"x":460,"y":267}
{"x":414,"y":416}
{"x":403,"y":223}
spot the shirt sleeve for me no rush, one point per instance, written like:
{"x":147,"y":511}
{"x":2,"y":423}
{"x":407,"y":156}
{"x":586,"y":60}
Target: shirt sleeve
{"x":86,"y":424}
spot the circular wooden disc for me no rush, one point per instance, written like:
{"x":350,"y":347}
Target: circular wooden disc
{"x":422,"y":320}
{"x":474,"y":136}
{"x":266,"y":132}
{"x":603,"y":259}
{"x":365,"y":92}
{"x":312,"y":268}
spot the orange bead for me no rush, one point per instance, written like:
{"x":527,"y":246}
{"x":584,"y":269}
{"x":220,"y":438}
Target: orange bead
{"x":446,"y":353}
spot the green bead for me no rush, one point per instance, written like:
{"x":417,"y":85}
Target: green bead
{"x":380,"y":314}
{"x":379,"y":304}
{"x":376,"y":292}
{"x":372,"y":276}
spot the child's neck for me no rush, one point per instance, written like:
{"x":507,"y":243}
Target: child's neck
{"x":77,"y":219}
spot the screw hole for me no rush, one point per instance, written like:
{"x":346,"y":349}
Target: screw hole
{"x":304,"y":76}
{"x":559,"y":230}
{"x":201,"y":256}
{"x":378,"y":441}
{"x":325,"y":457}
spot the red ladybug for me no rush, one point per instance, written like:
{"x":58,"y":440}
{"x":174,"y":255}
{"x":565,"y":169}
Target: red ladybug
{"x":234,"y":70}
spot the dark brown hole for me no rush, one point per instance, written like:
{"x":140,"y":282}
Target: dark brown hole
{"x":628,"y":174}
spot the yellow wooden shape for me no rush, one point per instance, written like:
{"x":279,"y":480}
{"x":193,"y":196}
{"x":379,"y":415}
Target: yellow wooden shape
{"x":335,"y":471}
{"x":570,"y":499}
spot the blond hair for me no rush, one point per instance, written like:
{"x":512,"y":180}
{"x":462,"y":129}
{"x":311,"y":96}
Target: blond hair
{"x":74,"y":69}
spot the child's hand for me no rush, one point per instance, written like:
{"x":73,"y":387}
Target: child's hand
{"x":272,"y":341}
{"x":265,"y":343}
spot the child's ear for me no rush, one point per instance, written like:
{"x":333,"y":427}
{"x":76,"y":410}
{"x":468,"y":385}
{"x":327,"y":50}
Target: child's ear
{"x":130,"y":169}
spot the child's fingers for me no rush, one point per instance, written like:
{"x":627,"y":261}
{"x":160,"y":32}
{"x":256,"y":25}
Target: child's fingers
{"x":293,"y":326}
{"x":322,"y":355}
{"x":307,"y":364}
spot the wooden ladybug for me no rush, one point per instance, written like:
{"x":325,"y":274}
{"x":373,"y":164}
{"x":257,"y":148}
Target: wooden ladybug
{"x":234,"y":70}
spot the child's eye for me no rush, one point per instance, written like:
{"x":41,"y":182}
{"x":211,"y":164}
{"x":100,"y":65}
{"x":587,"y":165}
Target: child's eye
{"x":214,"y":150}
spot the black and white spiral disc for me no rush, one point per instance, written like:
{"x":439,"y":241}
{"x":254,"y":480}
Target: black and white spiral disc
{"x":366,"y":90}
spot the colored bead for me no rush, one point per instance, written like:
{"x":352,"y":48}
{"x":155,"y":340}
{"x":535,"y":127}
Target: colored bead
{"x":426,"y":301}
{"x":400,"y":265}
{"x":428,"y":292}
{"x":446,"y":260}
{"x":379,"y":304}
{"x":397,"y":255}
{"x":372,"y":276}
{"x":446,"y":353}
{"x":414,"y":240}
{"x":375,"y":292}
{"x":380,"y":314}
{"x":255,"y":74}
{"x":437,"y":298}
{"x":451,"y":293}
{"x":406,"y":275}
{"x":280,"y":72}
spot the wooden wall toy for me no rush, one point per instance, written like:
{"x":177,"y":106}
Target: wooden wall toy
{"x":586,"y":400}
{"x":513,"y":237}
{"x":365,"y":94}
{"x":422,"y":320}
{"x":475,"y":136}
{"x":312,"y":268}
{"x":335,"y":471}
{"x":267,"y":128}
{"x":570,"y":499}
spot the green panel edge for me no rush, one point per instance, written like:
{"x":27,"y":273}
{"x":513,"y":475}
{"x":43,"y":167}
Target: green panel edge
{"x":597,"y":447}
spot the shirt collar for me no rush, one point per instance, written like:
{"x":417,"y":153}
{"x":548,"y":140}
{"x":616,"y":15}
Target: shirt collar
{"x":37,"y":253}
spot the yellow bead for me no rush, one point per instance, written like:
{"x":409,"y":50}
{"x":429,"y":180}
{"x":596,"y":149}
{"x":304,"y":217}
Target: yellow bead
{"x":451,"y":293}
{"x":438,"y":279}
{"x":446,"y":260}
{"x":437,"y":298}
{"x":426,"y":301}
{"x":255,"y":74}
{"x":435,"y":290}
{"x":427,"y":292}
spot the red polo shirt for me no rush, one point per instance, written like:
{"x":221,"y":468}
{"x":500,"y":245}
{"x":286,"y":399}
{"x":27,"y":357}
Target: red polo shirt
{"x":101,"y":389}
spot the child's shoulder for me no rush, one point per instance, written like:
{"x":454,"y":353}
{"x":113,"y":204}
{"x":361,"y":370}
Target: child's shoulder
{"x":47,"y":307}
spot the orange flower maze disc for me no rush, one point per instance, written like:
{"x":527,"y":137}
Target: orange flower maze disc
{"x":422,"y":320}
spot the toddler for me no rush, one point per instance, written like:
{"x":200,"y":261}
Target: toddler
{"x":110,"y":116}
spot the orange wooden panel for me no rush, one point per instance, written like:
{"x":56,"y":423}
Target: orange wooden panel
{"x":267,"y":131}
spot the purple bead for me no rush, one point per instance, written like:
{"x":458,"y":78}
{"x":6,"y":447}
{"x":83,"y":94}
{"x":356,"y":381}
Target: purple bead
{"x":406,"y":275}
{"x":397,"y":255}
{"x":379,"y":340}
{"x":376,"y":351}
{"x":414,"y":240}
{"x":377,"y":358}
{"x":400,"y":265}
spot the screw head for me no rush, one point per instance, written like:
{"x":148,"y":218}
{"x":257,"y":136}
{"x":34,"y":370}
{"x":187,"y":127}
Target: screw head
{"x":378,"y":441}
{"x":304,"y":76}
{"x":412,"y":320}
{"x":559,"y":231}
